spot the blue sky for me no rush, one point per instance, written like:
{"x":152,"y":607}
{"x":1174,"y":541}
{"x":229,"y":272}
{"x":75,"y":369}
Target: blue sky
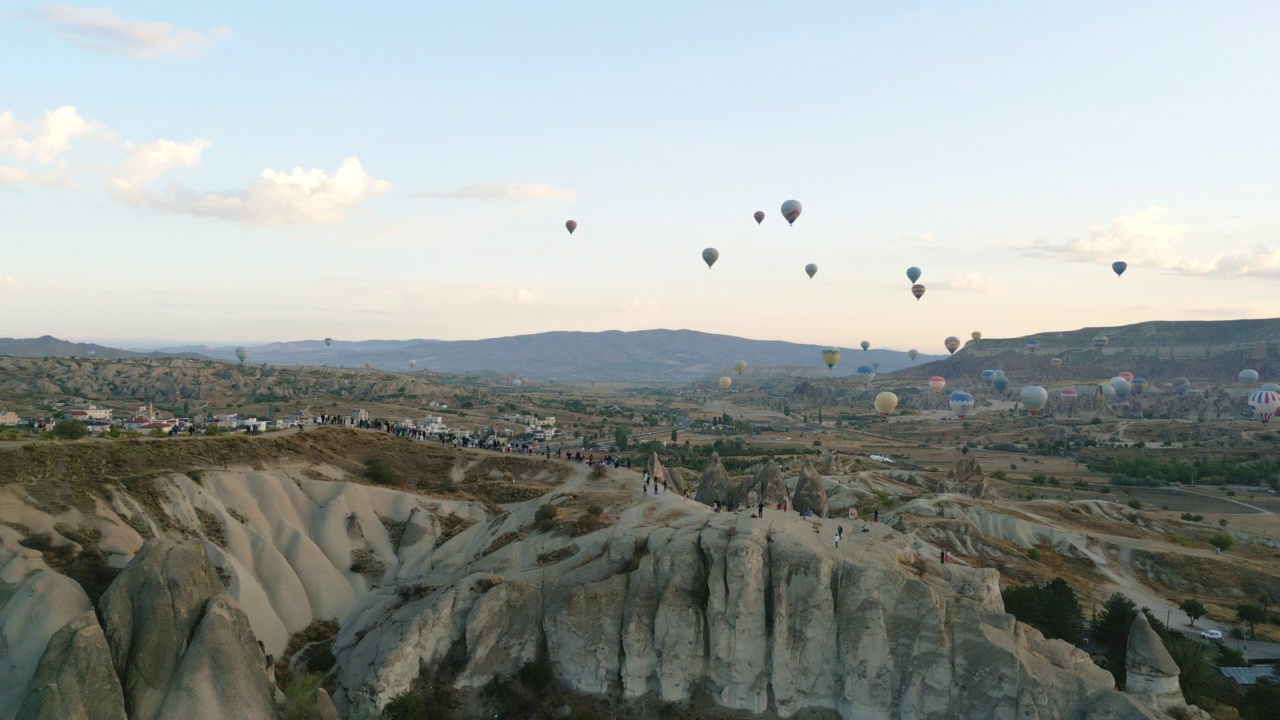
{"x":1011,"y":151}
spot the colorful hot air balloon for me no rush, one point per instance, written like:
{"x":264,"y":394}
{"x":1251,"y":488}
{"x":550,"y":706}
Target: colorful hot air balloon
{"x":975,"y":335}
{"x":1121,"y":386}
{"x":1032,"y":344}
{"x":1248,"y":377}
{"x":725,"y":382}
{"x":811,"y":269}
{"x":831,"y":356}
{"x":913,"y":273}
{"x":1100,"y":341}
{"x":413,"y":363}
{"x":1056,"y":362}
{"x":328,"y":342}
{"x":1264,"y":404}
{"x":1034,"y":398}
{"x":368,"y":366}
{"x":759,"y":216}
{"x":865,"y":345}
{"x":1118,"y":267}
{"x":885,"y":403}
{"x":740,"y":366}
{"x":1270,"y":386}
{"x":961,"y":403}
{"x":913,"y":354}
{"x":791,"y":210}
{"x":1001,"y":383}
{"x":952,"y":344}
{"x":867,"y":374}
{"x":875,"y":364}
{"x":710,"y":256}
{"x":936,"y":383}
{"x":917,"y":290}
{"x":1068,"y":394}
{"x":242,"y":353}
{"x":1137,"y":386}
{"x":1128,"y":376}
{"x":571,"y":226}
{"x":988,"y":376}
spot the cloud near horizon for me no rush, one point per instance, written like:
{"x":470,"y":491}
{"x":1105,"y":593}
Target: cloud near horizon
{"x":970,"y":282}
{"x":1147,"y":239}
{"x":500,"y":191}
{"x":102,"y":31}
{"x":42,"y":145}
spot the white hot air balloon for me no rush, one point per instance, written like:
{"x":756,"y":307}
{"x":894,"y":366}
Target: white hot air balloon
{"x":242,"y":353}
{"x":886,"y":402}
{"x":725,"y":382}
{"x":1034,"y":398}
{"x":961,"y":403}
{"x":413,"y":363}
{"x":1248,"y":377}
{"x":937,"y":383}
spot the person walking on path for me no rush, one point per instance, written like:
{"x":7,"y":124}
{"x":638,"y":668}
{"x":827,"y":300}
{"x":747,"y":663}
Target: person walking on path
{"x":760,"y":509}
{"x":839,"y":536}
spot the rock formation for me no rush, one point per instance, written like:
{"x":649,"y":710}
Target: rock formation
{"x":968,"y":471}
{"x":1151,"y":673}
{"x":811,"y":492}
{"x":675,"y":480}
{"x":715,"y":485}
{"x":75,"y":679}
{"x":768,"y":484}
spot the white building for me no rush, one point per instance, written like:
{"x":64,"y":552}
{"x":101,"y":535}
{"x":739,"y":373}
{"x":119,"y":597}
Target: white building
{"x":9,"y":418}
{"x":93,"y":412}
{"x":360,"y":415}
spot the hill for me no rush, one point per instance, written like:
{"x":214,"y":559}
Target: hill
{"x":1207,"y":351}
{"x":49,"y":346}
{"x":645,"y":355}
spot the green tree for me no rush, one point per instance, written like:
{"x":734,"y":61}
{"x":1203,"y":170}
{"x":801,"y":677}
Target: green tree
{"x":1111,"y":630}
{"x":1052,"y":609}
{"x":674,"y":436}
{"x":620,"y":437}
{"x":1222,"y":522}
{"x":1251,"y":615}
{"x":1261,"y":700}
{"x":1222,"y":541}
{"x":69,"y":430}
{"x":1194,"y":609}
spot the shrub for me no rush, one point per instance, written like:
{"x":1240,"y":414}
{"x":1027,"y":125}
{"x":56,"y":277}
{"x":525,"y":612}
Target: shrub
{"x":1136,"y":504}
{"x":377,"y":470}
{"x":408,"y":705}
{"x":300,"y":698}
{"x":1222,"y":541}
{"x":545,"y":517}
{"x":598,"y":472}
{"x":69,"y":430}
{"x":1052,"y":609}
{"x":1034,"y":554}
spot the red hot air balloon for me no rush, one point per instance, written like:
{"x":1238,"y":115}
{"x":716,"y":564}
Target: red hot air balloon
{"x":952,"y":344}
{"x":571,"y":225}
{"x":1126,"y":375}
{"x":759,"y":216}
{"x":917,"y":290}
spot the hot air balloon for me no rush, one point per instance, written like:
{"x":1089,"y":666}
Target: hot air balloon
{"x":1264,"y":404}
{"x":961,"y":403}
{"x":1167,"y":388}
{"x":1270,"y":386}
{"x":368,"y":366}
{"x":936,"y":383}
{"x":1107,"y":390}
{"x":1181,"y":386}
{"x":516,"y":383}
{"x":759,"y":216}
{"x":710,"y":256}
{"x":1001,"y":383}
{"x":1032,"y":344}
{"x":811,"y":269}
{"x":1118,"y":267}
{"x":1128,"y":376}
{"x":831,"y":356}
{"x":875,"y":364}
{"x":328,"y":342}
{"x":913,"y":273}
{"x":913,"y":354}
{"x":885,"y":403}
{"x":867,"y":373}
{"x":1121,"y":386}
{"x":1248,"y":377}
{"x":864,"y":345}
{"x":791,"y":210}
{"x":413,"y":363}
{"x":988,"y":376}
{"x":740,"y":366}
{"x":999,"y":373}
{"x":975,"y":335}
{"x":917,"y":290}
{"x":1068,"y":394}
{"x":1100,"y":341}
{"x":1034,"y":398}
{"x":725,"y":382}
{"x":242,"y":353}
{"x":1137,"y":386}
{"x":1056,"y":362}
{"x":571,"y":226}
{"x":952,"y":344}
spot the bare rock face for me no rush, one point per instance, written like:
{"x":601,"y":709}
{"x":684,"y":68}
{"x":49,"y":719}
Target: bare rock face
{"x":325,"y":707}
{"x":674,"y":480}
{"x":968,"y":471}
{"x":811,"y":492}
{"x":715,"y":485}
{"x":1152,"y":675}
{"x":75,"y":679}
{"x":768,"y":484}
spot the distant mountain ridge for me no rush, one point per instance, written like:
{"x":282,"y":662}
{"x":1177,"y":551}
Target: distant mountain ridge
{"x":49,"y":346}
{"x":614,"y":355}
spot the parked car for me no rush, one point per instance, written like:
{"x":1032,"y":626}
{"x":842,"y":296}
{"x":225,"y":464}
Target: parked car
{"x":1211,"y":634}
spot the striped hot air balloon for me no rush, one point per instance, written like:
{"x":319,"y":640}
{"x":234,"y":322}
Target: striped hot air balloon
{"x":1100,"y":341}
{"x":1128,"y":376}
{"x":759,"y":216}
{"x":791,"y":210}
{"x":571,"y":226}
{"x":1264,"y":404}
{"x":917,"y":290}
{"x":1068,"y":394}
{"x":961,"y":403}
{"x":952,"y":344}
{"x":831,"y":356}
{"x":936,"y":383}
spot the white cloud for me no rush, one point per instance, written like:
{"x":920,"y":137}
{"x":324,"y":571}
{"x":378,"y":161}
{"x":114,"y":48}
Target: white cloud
{"x":500,"y":191}
{"x":278,"y":198}
{"x":638,"y":305}
{"x":144,"y":163}
{"x":971,"y":282}
{"x":47,"y":140}
{"x":1148,"y":240}
{"x":17,"y":176}
{"x":925,"y":241}
{"x":100,"y":30}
